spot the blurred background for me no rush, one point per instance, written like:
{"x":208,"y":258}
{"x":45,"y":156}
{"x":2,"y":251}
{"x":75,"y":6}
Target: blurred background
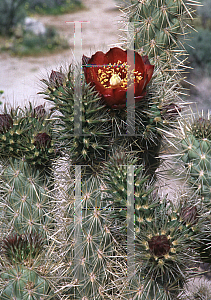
{"x":34,"y":39}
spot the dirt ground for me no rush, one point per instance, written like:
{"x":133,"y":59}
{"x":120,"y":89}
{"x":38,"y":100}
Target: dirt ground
{"x":20,"y":77}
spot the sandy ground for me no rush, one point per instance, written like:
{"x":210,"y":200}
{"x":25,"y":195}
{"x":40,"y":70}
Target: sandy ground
{"x":20,"y":77}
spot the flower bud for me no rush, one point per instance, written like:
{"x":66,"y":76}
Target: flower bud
{"x":6,"y":122}
{"x":159,"y":245}
{"x":42,"y":140}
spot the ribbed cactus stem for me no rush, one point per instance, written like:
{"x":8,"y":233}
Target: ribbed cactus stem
{"x":160,"y":28}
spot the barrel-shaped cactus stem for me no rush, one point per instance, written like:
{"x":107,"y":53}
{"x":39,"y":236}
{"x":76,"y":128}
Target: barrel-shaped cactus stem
{"x":89,"y":148}
{"x":194,"y":141}
{"x":160,"y":28}
{"x":25,"y":198}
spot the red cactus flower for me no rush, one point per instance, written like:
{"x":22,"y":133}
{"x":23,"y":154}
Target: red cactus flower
{"x":42,"y":140}
{"x":159,"y":245}
{"x":5,"y":122}
{"x":108,"y":73}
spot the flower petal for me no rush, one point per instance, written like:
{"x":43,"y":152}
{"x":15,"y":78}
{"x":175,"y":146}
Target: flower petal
{"x":148,"y":68}
{"x":99,"y":58}
{"x":115,"y":54}
{"x":139,"y":64}
{"x":139,"y":87}
{"x":115,"y":97}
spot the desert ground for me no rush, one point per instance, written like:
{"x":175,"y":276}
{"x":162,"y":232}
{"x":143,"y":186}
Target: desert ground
{"x":20,"y":76}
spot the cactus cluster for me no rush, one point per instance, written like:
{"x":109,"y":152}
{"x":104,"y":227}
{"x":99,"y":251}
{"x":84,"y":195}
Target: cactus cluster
{"x":27,"y":133}
{"x":82,"y":213}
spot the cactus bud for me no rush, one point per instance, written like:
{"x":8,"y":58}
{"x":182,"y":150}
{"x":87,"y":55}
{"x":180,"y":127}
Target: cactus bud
{"x":189,"y":215}
{"x":38,"y":112}
{"x":201,"y":128}
{"x":19,"y":248}
{"x":57,"y":79}
{"x":170,"y":111}
{"x":159,"y":245}
{"x":5,"y":122}
{"x":42,"y":140}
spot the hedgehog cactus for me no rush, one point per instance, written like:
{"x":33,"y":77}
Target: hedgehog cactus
{"x":91,"y":147}
{"x":195,"y":141}
{"x":115,"y":176}
{"x":89,"y":250}
{"x":108,"y":232}
{"x":104,"y":114}
{"x":21,"y":271}
{"x":25,"y":199}
{"x":21,"y":132}
{"x":164,"y":254}
{"x":196,"y":147}
{"x":159,"y":26}
{"x":23,"y":283}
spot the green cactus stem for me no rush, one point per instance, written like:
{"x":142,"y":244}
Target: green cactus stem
{"x":22,"y":283}
{"x":25,"y":199}
{"x":21,"y":134}
{"x":89,"y":253}
{"x":91,"y":148}
{"x":196,"y":151}
{"x":160,"y":28}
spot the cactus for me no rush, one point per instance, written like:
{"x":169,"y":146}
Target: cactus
{"x":25,"y":200}
{"x":195,"y":140}
{"x":74,"y":240}
{"x":160,"y":28}
{"x":25,"y":247}
{"x":90,"y":249}
{"x":92,"y":146}
{"x":165,"y":249}
{"x":114,"y":174}
{"x":153,"y":116}
{"x":23,"y":283}
{"x":27,"y":133}
{"x":21,"y":272}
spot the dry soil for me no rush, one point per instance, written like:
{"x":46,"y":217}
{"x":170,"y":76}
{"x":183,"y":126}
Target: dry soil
{"x":20,"y":77}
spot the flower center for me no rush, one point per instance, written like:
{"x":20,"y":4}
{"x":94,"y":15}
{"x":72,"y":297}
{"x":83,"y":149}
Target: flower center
{"x":115,"y":80}
{"x":116,"y":75}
